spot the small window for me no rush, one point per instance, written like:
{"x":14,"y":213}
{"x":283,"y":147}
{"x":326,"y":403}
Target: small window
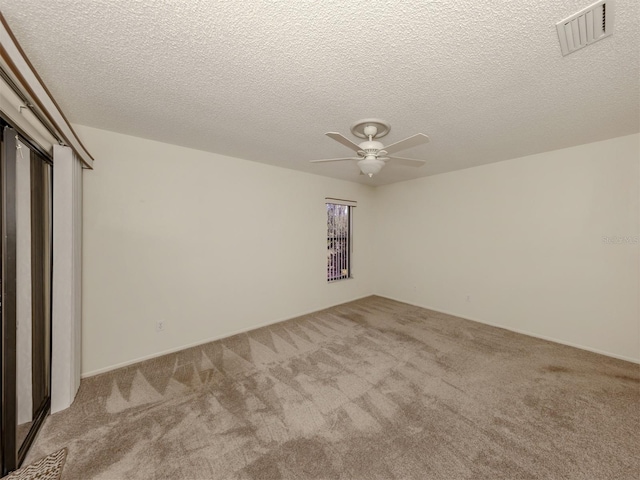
{"x":339,"y":239}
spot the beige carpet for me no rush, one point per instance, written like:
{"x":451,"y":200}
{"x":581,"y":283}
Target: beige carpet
{"x":372,"y":389}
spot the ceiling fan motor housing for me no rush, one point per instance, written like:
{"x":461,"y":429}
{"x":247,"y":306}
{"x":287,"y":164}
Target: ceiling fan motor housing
{"x":371,"y":147}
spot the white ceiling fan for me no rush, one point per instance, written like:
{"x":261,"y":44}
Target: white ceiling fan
{"x":372,"y":154}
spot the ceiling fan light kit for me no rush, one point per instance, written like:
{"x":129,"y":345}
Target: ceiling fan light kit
{"x":370,"y":166}
{"x":372,"y":154}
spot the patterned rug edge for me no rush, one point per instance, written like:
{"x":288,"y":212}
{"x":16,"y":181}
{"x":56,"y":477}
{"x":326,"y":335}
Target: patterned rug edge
{"x":47,"y":468}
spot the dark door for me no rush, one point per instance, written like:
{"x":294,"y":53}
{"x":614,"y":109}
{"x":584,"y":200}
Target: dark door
{"x":25,"y":302}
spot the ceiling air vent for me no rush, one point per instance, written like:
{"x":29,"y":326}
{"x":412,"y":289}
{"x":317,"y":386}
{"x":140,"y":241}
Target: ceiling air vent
{"x":585,"y":27}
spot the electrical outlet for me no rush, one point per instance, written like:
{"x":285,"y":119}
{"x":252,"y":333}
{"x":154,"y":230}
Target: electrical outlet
{"x":159,"y":325}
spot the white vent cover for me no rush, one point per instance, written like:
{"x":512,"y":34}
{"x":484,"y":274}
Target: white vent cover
{"x":585,"y":27}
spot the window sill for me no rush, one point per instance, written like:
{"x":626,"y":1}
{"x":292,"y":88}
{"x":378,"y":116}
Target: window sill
{"x":340,"y":279}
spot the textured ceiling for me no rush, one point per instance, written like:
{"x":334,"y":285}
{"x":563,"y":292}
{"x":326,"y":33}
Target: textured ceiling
{"x":264,"y":80}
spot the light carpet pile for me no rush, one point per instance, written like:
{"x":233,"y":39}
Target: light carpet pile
{"x":372,"y":389}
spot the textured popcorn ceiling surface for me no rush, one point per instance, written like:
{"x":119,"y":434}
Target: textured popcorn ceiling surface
{"x":264,"y":80}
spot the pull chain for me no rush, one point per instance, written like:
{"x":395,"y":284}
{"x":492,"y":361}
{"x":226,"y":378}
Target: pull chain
{"x":19,"y":148}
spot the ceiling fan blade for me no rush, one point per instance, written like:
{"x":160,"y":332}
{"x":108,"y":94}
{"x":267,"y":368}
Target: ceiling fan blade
{"x":333,"y":160}
{"x":410,"y":162}
{"x":413,"y":141}
{"x":338,"y":137}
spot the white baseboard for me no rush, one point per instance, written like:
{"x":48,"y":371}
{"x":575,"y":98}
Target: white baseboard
{"x":523,"y":332}
{"x":208,"y":340}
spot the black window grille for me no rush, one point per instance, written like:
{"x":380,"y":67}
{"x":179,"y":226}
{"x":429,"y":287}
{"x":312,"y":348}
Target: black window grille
{"x":338,"y":242}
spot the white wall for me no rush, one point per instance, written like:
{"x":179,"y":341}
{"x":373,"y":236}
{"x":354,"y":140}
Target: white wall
{"x":524,"y":239}
{"x":210,"y":245}
{"x":214,"y":245}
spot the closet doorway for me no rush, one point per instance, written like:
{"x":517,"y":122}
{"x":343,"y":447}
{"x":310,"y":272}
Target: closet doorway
{"x":25,"y":302}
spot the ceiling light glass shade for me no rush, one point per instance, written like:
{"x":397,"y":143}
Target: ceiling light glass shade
{"x":370,"y":166}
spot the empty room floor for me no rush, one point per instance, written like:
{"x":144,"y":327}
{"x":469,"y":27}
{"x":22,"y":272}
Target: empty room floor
{"x":371,"y":389}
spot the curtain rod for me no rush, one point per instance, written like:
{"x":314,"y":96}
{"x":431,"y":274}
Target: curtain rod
{"x":33,"y":88}
{"x":27,"y":104}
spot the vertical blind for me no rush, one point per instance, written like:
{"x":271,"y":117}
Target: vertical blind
{"x":339,"y":242}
